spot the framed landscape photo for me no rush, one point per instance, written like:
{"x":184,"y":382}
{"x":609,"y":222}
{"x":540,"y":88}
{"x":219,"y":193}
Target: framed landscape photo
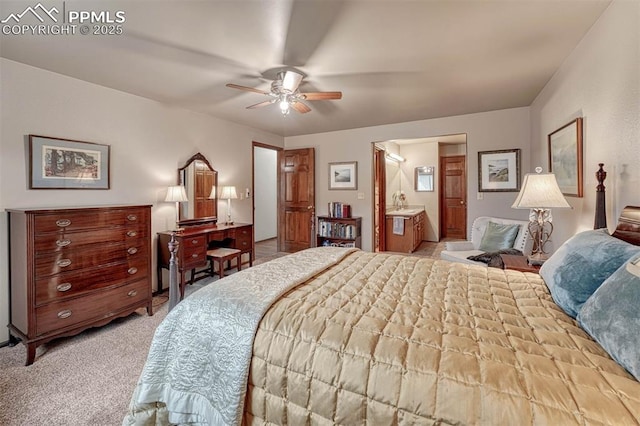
{"x":565,"y":157}
{"x":499,"y":171}
{"x":56,"y":163}
{"x":343,"y":175}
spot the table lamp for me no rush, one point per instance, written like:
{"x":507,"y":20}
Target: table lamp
{"x":228,"y":193}
{"x":177,"y":194}
{"x":540,"y":192}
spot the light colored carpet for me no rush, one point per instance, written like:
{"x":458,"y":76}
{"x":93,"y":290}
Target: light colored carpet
{"x":87,"y":379}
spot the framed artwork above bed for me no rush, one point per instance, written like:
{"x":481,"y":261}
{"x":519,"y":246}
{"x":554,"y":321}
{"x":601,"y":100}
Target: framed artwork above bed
{"x":565,"y":157}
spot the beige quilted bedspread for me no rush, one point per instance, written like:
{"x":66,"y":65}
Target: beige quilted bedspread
{"x":384,"y":339}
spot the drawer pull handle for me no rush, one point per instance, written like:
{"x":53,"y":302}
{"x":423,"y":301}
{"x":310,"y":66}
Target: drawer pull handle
{"x":132,"y":293}
{"x":63,"y":222}
{"x":133,"y":270}
{"x":195,"y":255}
{"x":63,"y":243}
{"x":132,"y":250}
{"x":131,"y":233}
{"x":63,"y":287}
{"x":132,"y":217}
{"x":195,"y":242}
{"x":64,"y":314}
{"x":63,"y":262}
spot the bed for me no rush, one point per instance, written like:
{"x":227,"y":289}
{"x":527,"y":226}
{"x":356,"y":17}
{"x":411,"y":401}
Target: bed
{"x":341,"y":336}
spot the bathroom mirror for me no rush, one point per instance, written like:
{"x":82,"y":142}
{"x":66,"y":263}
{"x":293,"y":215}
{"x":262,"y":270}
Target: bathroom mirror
{"x":424,"y":178}
{"x":200,"y":181}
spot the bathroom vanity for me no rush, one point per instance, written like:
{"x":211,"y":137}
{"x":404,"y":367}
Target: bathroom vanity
{"x":412,"y":229}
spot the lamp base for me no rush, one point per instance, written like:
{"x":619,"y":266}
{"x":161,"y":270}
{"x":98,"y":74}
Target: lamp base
{"x":537,"y":258}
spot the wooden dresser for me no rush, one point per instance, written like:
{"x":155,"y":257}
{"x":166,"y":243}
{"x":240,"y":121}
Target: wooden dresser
{"x":72,"y":269}
{"x":193,"y":242}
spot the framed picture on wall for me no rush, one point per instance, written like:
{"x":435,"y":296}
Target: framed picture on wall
{"x":343,"y":175}
{"x":499,"y":171}
{"x":56,"y":163}
{"x":565,"y":157}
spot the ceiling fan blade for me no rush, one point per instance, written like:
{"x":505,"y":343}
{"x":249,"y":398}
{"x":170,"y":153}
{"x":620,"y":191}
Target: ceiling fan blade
{"x":300,"y":107}
{"x":261,"y":104}
{"x":291,"y":81}
{"x":246,"y":89}
{"x":321,"y":96}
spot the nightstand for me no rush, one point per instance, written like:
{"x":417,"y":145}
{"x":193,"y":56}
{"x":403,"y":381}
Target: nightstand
{"x":518,"y":263}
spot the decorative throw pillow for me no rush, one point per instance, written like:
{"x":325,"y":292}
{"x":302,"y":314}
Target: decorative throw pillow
{"x":498,"y":237}
{"x":581,"y":265}
{"x":493,"y":258}
{"x":611,"y":316}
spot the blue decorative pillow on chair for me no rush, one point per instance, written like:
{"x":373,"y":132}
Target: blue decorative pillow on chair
{"x":581,"y":265}
{"x":498,"y":237}
{"x":612,"y":317}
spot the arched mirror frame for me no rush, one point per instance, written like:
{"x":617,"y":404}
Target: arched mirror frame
{"x":194,"y":203}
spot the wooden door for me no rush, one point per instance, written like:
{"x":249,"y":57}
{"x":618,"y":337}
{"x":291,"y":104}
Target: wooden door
{"x":379,"y":197}
{"x":453,"y":190}
{"x":297,"y":199}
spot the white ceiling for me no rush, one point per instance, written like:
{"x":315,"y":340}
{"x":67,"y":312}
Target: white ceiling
{"x":394,"y":60}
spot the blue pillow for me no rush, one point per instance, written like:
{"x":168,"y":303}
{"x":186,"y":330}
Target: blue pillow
{"x":612,"y":317}
{"x":498,"y":237}
{"x":581,"y":265}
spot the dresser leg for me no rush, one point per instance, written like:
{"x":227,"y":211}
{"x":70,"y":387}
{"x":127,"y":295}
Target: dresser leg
{"x":150,"y":308}
{"x":31,"y":353}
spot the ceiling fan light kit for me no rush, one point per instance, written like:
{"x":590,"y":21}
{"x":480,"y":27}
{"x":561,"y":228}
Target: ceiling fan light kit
{"x":285,"y":91}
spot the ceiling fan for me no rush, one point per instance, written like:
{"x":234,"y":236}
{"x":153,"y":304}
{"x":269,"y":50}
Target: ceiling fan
{"x":284,"y":91}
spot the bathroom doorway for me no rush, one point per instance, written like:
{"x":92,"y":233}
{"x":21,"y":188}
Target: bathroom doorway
{"x":406,"y":165}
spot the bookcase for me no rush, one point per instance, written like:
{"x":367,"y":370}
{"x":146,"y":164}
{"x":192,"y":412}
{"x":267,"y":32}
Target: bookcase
{"x":335,"y":231}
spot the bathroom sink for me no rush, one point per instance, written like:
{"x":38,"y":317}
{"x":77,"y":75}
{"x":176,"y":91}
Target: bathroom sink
{"x":404,"y":212}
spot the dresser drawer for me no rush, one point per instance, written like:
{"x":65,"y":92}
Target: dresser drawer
{"x":92,"y":307}
{"x":74,"y":283}
{"x":193,"y":251}
{"x":75,"y":259}
{"x":62,"y":240}
{"x":88,"y":219}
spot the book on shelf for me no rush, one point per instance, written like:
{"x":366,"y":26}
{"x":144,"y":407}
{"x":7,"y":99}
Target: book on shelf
{"x":337,"y":230}
{"x":339,"y":210}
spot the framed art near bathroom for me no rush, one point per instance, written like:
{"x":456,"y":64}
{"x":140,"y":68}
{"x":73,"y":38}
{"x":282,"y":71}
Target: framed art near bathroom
{"x":343,"y":175}
{"x":565,"y":157}
{"x":56,"y":163}
{"x":499,"y":171}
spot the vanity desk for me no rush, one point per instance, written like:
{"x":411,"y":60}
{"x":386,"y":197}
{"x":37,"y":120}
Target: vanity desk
{"x":193,"y":244}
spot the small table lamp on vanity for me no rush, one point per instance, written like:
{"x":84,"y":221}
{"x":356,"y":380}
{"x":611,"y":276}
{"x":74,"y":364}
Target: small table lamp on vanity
{"x":228,"y":193}
{"x":540,"y":193}
{"x":178,"y":195}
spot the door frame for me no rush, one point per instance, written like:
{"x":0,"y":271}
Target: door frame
{"x":255,"y":145}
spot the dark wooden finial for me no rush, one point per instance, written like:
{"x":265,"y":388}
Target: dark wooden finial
{"x":601,"y":175}
{"x":601,"y":212}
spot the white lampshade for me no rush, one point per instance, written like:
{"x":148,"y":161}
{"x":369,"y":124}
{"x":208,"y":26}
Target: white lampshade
{"x":176,"y":193}
{"x":213,"y":192}
{"x":228,"y":193}
{"x":540,"y":191}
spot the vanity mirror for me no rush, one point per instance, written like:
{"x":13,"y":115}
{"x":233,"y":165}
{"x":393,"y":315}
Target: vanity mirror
{"x":200,"y":181}
{"x":424,"y":179}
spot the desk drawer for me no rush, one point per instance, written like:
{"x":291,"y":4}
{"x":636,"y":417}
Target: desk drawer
{"x":193,"y":251}
{"x":244,"y":239}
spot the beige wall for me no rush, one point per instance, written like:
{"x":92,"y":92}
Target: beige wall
{"x":504,"y":129}
{"x":148,"y":140}
{"x":599,"y":81}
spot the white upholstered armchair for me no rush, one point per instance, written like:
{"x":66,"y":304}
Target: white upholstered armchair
{"x":458,"y":251}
